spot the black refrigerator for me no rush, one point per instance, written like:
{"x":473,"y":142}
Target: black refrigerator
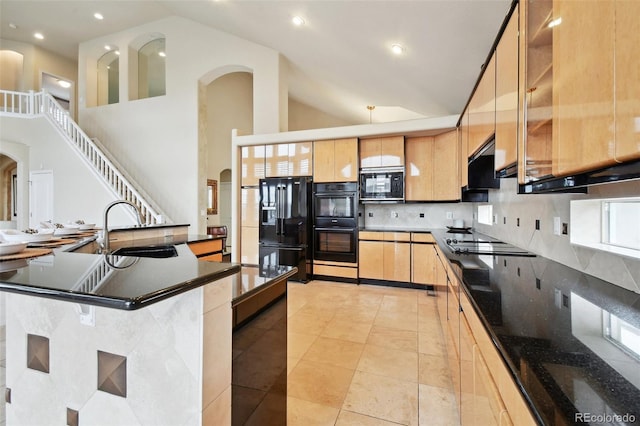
{"x":285,"y":227}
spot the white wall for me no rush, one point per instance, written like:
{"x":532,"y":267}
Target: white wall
{"x":507,"y":204}
{"x":156,"y":139}
{"x":77,"y":194}
{"x":303,"y":117}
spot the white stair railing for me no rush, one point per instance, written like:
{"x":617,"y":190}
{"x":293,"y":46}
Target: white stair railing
{"x":33,"y":104}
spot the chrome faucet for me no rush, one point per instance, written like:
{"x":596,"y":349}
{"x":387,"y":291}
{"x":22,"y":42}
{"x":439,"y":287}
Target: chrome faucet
{"x":105,"y":231}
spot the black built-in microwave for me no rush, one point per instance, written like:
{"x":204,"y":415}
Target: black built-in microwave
{"x":382,"y":185}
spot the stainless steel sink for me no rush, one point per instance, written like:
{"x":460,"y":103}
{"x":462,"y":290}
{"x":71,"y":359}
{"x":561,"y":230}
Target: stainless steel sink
{"x":156,"y":252}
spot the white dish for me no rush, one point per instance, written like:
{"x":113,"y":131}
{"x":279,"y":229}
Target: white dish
{"x":11,"y":248}
{"x":14,"y":236}
{"x":67,"y":230}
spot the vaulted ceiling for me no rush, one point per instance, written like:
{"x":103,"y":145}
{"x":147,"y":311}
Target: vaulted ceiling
{"x":340,"y":59}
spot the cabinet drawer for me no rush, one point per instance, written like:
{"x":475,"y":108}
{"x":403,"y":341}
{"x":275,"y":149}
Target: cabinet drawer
{"x":371,"y":235}
{"x":335,"y":271}
{"x":206,"y":247}
{"x":397,"y":236}
{"x":420,"y":237}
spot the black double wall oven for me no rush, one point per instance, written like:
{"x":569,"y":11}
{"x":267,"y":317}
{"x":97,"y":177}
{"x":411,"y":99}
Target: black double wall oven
{"x":335,"y":222}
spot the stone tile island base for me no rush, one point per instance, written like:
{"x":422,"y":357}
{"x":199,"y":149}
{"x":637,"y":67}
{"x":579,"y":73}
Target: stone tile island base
{"x":168,"y":363}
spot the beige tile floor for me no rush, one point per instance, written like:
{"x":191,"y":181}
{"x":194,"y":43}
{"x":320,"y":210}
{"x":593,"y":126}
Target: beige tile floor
{"x":366,"y":355}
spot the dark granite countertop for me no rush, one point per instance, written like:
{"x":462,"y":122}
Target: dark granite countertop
{"x":252,"y":279}
{"x":571,"y":341}
{"x":119,"y":282}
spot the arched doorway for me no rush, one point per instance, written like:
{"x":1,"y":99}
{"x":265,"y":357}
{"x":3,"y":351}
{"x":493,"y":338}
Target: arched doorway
{"x":226,"y":103}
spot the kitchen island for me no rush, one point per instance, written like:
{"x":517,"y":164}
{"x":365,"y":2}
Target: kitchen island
{"x":95,"y":339}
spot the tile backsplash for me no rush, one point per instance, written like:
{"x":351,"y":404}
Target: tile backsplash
{"x":515,"y":218}
{"x":416,"y":215}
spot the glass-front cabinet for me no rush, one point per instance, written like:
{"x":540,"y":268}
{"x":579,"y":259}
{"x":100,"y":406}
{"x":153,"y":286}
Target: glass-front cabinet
{"x":581,"y":91}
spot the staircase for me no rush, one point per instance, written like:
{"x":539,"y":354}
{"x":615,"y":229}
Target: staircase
{"x":102,"y":165}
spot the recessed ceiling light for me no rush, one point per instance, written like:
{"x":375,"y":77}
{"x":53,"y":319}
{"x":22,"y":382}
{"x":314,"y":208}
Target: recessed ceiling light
{"x":297,"y":21}
{"x":39,"y":36}
{"x":162,"y":54}
{"x":98,"y":16}
{"x":397,"y":49}
{"x":118,"y":52}
{"x":64,"y":83}
{"x":107,"y":47}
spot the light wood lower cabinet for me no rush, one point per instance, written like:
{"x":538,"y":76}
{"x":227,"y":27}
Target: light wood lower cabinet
{"x":335,"y":269}
{"x":389,"y":256}
{"x":397,"y":261}
{"x":210,"y":250}
{"x":486,"y":391}
{"x":384,"y":260}
{"x":423,"y":259}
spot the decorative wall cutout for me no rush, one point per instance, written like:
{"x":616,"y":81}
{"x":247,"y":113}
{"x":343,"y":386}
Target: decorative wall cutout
{"x":73,"y":417}
{"x":112,"y":373}
{"x":38,"y":353}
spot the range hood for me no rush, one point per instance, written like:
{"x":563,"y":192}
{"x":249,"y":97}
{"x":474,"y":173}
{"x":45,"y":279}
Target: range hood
{"x":482,"y":173}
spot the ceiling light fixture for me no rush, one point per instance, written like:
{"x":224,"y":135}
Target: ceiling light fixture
{"x":371,"y":108}
{"x":39,"y":36}
{"x":162,"y":54}
{"x":297,"y":21}
{"x":397,"y":49}
{"x":118,"y":52}
{"x":64,"y":83}
{"x":98,"y":16}
{"x":107,"y":47}
{"x":555,"y":22}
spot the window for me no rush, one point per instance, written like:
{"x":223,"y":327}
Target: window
{"x":621,"y":223}
{"x":621,"y":334}
{"x":607,"y":224}
{"x":151,"y":69}
{"x":485,"y":214}
{"x":109,"y":78}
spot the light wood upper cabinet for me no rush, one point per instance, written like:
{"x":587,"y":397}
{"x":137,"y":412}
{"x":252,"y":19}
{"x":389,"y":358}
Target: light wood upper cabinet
{"x":446,"y":185}
{"x":419,"y":169}
{"x":432,"y":172}
{"x":627,"y":77}
{"x":583,"y":86}
{"x":249,"y":207}
{"x":482,"y":109}
{"x":382,"y":152}
{"x":335,"y":160}
{"x":464,"y":148}
{"x":252,"y":164}
{"x":289,"y":159}
{"x":507,"y":95}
